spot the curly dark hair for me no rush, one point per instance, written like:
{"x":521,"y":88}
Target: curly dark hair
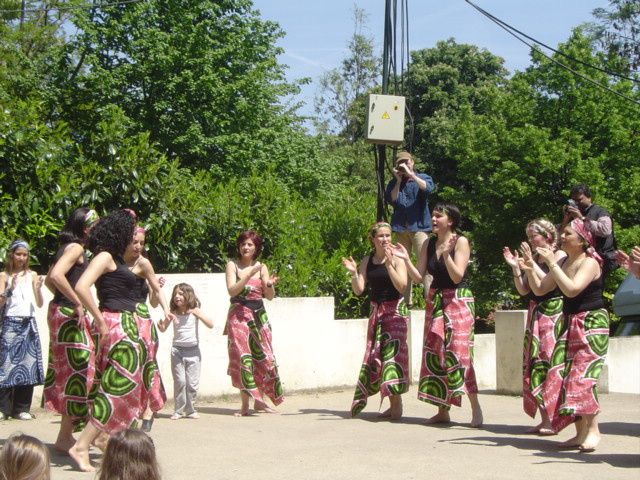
{"x":112,"y":233}
{"x":73,"y":230}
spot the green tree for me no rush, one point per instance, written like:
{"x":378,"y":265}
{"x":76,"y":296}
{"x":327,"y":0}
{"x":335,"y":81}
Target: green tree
{"x":618,"y":31}
{"x":201,"y":77}
{"x":338,"y":104}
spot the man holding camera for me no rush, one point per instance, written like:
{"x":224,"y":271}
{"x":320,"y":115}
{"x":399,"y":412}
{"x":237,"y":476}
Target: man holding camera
{"x":408,"y":193}
{"x":597,"y":220}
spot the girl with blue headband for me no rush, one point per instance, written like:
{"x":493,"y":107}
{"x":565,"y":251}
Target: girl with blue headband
{"x":20,"y":351}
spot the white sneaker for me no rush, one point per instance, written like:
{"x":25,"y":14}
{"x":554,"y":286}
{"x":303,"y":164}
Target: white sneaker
{"x":25,"y":416}
{"x":176,"y":416}
{"x":193,"y":415}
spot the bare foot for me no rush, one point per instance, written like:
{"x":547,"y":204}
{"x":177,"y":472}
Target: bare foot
{"x":62,"y":446}
{"x":100,"y":442}
{"x":81,"y":457}
{"x":241,"y":413}
{"x":440,"y":417}
{"x":263,"y":407}
{"x":590,"y":443}
{"x":476,"y":419}
{"x":391,"y":414}
{"x":571,"y":444}
{"x":543,"y":429}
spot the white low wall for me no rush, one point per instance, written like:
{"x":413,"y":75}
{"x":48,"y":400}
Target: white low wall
{"x":316,"y":351}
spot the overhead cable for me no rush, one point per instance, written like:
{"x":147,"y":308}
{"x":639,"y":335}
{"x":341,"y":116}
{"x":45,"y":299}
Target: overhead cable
{"x":509,"y":29}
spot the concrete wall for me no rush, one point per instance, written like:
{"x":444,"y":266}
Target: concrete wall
{"x":621,"y":372}
{"x":316,"y":351}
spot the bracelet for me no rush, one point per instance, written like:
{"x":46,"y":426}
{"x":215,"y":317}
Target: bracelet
{"x":517,"y":276}
{"x":355,"y":276}
{"x":553,"y":265}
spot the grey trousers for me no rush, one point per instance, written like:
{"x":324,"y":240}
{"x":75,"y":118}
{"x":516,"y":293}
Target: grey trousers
{"x":185,"y":367}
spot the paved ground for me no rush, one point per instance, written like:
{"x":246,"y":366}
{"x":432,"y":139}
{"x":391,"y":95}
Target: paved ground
{"x":313,"y":438}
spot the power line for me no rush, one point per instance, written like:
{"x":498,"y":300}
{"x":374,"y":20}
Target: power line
{"x":71,"y":7}
{"x":507,"y":28}
{"x":586,"y":64}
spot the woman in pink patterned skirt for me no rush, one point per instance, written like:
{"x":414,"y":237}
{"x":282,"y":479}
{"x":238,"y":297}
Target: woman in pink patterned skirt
{"x":541,"y":376}
{"x":385,"y":367}
{"x":579,"y":278}
{"x":72,"y":357}
{"x":447,"y":369}
{"x":252,"y":364}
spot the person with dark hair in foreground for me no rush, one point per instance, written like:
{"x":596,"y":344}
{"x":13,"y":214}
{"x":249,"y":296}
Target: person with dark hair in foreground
{"x":119,"y":395}
{"x":130,"y":455}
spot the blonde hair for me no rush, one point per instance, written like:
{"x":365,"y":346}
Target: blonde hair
{"x":373,"y":230}
{"x":190,"y":299}
{"x":130,"y":455}
{"x":24,"y":457}
{"x":544,"y":227}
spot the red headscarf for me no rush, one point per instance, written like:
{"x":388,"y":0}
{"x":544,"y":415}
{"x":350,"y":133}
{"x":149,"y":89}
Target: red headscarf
{"x":580,"y":228}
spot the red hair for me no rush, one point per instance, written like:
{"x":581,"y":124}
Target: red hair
{"x":254,"y":237}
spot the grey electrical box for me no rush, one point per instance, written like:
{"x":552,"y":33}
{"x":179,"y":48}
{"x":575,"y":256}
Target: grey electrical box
{"x":385,"y":119}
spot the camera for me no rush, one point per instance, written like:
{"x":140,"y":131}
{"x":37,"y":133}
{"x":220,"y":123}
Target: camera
{"x":572,"y":203}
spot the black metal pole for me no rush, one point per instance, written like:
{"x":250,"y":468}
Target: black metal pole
{"x":381,"y":212}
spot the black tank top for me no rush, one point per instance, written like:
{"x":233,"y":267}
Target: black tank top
{"x":588,"y":299}
{"x":380,"y":284}
{"x":141,"y":290}
{"x":72,"y":276}
{"x":552,"y":294}
{"x":437,"y":268}
{"x":117,"y":290}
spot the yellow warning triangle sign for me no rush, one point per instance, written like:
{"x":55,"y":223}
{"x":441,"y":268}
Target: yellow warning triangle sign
{"x":385,"y":116}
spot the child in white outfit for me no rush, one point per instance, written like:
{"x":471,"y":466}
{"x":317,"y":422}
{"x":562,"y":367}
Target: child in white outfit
{"x":185,"y":351}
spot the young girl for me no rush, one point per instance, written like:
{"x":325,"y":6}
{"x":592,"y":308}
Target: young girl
{"x":185,"y":352}
{"x":24,"y":458}
{"x":130,"y":455}
{"x":21,"y":369}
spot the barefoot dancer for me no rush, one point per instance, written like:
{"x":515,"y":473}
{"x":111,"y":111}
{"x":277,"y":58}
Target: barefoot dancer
{"x":541,"y":380}
{"x":447,"y":354}
{"x":580,"y":280}
{"x":118,"y":394}
{"x":252,"y":365}
{"x":72,"y":359}
{"x":385,"y":367}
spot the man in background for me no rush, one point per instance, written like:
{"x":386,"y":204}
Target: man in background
{"x":408,"y":193}
{"x":597,"y":220}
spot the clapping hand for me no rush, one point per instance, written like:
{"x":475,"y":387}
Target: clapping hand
{"x":350,"y":265}
{"x":630,"y":263}
{"x":512,"y":258}
{"x":546,"y":254}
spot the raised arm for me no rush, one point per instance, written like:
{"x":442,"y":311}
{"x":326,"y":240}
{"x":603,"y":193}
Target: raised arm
{"x":36,"y":282}
{"x":520,"y":281}
{"x":396,"y":268}
{"x":101,"y":264}
{"x":358,"y":274}
{"x":236,"y":281}
{"x":458,"y":266}
{"x":57,"y":275}
{"x":587,"y":272}
{"x":268,"y":283}
{"x":413,"y":272}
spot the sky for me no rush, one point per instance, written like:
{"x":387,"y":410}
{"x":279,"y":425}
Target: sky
{"x":317,"y":32}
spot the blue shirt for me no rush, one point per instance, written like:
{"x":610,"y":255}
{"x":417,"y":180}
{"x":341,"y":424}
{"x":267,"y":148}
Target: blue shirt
{"x":411,"y":208}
